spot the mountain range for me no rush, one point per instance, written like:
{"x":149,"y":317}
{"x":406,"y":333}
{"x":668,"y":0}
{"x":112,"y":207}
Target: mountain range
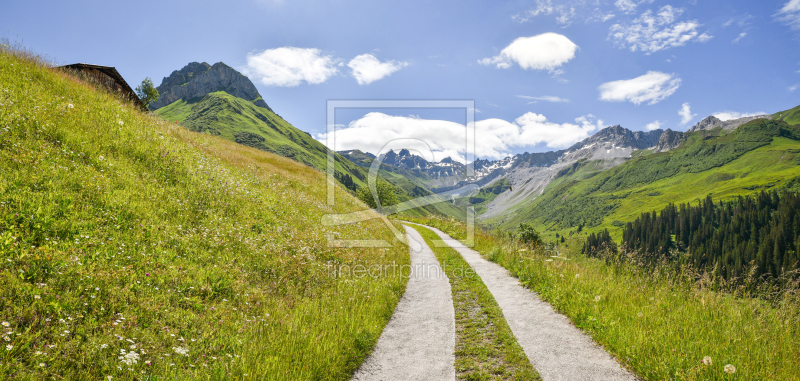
{"x":596,"y":183}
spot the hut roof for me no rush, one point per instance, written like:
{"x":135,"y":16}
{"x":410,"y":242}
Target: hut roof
{"x":113,"y":74}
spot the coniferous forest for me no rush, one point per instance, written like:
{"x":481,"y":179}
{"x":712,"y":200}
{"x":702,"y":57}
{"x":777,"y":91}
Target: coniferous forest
{"x":724,"y":237}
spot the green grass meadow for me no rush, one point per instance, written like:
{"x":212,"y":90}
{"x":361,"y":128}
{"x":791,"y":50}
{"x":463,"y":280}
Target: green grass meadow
{"x":134,"y":249}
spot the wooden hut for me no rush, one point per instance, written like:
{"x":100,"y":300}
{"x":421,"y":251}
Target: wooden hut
{"x":108,"y":77}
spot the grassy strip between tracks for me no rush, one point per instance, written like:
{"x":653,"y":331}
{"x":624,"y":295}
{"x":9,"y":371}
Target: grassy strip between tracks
{"x":486,"y":349}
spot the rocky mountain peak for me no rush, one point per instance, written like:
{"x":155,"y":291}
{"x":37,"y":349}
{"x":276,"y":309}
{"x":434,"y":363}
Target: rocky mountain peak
{"x":706,"y":124}
{"x":621,"y":137}
{"x":712,"y":122}
{"x":669,"y":140}
{"x":197,"y":80}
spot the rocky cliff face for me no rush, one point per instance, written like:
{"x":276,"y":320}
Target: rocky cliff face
{"x":197,"y":80}
{"x":669,"y":140}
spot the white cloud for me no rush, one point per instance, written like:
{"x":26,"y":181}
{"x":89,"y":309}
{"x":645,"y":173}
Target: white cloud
{"x":728,"y":115}
{"x":686,"y":114}
{"x":741,"y":36}
{"x":629,"y":6}
{"x":793,"y":88}
{"x":368,"y":69}
{"x":543,"y":51}
{"x":290,"y":66}
{"x":652,"y":87}
{"x":728,"y":23}
{"x":494,"y":137}
{"x":790,"y":14}
{"x":567,"y":11}
{"x":546,"y":98}
{"x":650,"y":32}
{"x":653,"y":126}
{"x":704,"y":37}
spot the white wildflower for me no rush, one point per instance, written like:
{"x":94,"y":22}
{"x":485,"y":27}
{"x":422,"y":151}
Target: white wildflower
{"x":707,"y":360}
{"x":181,"y":351}
{"x":130,"y":358}
{"x":730,"y":369}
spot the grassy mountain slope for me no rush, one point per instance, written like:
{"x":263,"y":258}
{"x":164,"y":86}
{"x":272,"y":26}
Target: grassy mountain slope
{"x":791,"y":116}
{"x":244,"y":122}
{"x":241,"y":121}
{"x":758,"y":155}
{"x":133,"y":248}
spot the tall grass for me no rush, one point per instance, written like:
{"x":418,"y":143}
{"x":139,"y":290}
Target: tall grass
{"x":131,"y":248}
{"x":659,"y":322}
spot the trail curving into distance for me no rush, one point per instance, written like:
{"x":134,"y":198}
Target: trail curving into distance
{"x":418,"y":343}
{"x":557,"y":349}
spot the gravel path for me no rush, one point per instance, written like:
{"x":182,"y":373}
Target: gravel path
{"x":556,"y":348}
{"x":418,"y":343}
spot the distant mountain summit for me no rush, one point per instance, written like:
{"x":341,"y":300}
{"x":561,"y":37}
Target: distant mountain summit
{"x":712,"y":122}
{"x":197,"y":80}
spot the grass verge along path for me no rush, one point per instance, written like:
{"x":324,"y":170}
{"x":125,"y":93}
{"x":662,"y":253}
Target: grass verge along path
{"x":660,"y":325}
{"x":485,"y":349}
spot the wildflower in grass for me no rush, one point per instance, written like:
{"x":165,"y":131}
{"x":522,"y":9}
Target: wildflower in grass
{"x":577,"y":276}
{"x":9,"y":347}
{"x":70,"y":105}
{"x":120,"y":122}
{"x":597,"y":298}
{"x":729,"y":369}
{"x":37,"y":297}
{"x":181,"y":351}
{"x":707,"y":360}
{"x":129,"y":358}
{"x":6,"y":324}
{"x":42,"y":365}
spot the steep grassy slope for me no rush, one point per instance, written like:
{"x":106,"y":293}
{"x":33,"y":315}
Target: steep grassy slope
{"x":133,"y":248}
{"x":791,"y":116}
{"x":241,"y":121}
{"x":758,"y":155}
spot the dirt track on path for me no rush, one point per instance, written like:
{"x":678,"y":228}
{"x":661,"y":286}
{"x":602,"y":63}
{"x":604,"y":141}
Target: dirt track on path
{"x":418,"y":343}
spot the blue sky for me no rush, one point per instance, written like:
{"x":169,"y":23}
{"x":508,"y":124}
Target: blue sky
{"x":556,"y":71}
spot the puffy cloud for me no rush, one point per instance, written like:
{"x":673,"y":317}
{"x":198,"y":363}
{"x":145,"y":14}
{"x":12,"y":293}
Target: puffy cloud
{"x":790,"y":14}
{"x":686,"y":113}
{"x":290,"y":66}
{"x":546,"y":98}
{"x":652,"y":87}
{"x":728,"y":115}
{"x":650,"y":32}
{"x":543,"y":51}
{"x":367,"y":69}
{"x":377,"y":132}
{"x":653,"y":126}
